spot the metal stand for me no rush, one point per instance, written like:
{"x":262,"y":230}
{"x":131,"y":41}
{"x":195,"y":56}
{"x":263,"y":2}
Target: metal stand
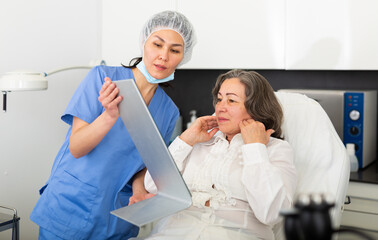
{"x":8,"y":221}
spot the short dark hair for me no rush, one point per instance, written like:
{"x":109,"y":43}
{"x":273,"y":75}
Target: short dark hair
{"x":261,"y":102}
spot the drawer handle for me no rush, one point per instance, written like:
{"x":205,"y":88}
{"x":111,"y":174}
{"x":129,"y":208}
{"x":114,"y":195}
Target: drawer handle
{"x":347,"y":200}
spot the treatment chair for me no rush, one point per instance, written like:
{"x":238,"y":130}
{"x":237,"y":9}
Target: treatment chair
{"x":319,"y":155}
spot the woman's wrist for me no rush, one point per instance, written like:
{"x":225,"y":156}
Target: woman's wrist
{"x":185,"y":137}
{"x":109,"y":119}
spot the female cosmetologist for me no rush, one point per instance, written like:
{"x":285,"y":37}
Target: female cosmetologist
{"x":240,"y":173}
{"x":96,"y":169}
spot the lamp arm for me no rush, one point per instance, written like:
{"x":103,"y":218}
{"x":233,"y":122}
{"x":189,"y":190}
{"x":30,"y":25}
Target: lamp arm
{"x":67,"y":68}
{"x":92,"y":64}
{"x":36,"y":78}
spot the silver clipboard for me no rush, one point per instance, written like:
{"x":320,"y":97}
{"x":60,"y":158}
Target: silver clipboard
{"x":173,"y":194}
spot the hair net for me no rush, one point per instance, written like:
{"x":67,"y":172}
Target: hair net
{"x":174,"y":21}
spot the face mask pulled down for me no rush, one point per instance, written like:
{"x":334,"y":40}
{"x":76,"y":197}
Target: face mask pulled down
{"x":151,"y":79}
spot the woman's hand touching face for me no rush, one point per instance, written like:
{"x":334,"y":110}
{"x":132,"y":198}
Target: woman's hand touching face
{"x":199,"y":131}
{"x":254,"y":132}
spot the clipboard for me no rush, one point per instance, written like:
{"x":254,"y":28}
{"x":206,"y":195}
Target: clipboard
{"x":173,"y":195}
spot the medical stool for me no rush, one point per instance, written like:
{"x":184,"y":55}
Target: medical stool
{"x":8,"y":221}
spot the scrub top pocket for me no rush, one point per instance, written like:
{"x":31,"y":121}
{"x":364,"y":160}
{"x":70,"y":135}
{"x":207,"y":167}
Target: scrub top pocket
{"x":70,"y":204}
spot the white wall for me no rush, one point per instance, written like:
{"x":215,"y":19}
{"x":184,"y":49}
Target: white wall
{"x":40,"y":35}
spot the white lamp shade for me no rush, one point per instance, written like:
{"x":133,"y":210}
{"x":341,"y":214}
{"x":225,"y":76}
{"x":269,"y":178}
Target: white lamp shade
{"x":23,"y":81}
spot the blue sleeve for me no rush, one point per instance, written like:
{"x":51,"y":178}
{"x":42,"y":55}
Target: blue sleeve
{"x":84,"y":103}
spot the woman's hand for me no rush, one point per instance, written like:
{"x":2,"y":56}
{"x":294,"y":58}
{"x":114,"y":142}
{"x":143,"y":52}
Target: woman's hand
{"x":84,"y":136}
{"x":139,"y":197}
{"x":109,"y":98}
{"x":199,"y":130}
{"x":254,"y":132}
{"x":139,"y":191}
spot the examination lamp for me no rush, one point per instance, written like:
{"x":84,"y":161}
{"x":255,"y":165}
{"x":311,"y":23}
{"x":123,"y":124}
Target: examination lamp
{"x":30,"y":81}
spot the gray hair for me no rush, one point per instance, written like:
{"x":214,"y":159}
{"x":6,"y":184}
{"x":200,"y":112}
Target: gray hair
{"x":261,"y":102}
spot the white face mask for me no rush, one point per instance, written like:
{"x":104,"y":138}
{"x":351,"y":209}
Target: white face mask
{"x":151,"y":79}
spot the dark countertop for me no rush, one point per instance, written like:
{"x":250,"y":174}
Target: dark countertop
{"x":367,"y":175}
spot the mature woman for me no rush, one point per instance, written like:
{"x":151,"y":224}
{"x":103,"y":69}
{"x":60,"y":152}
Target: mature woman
{"x":98,"y":167}
{"x":239,"y":171}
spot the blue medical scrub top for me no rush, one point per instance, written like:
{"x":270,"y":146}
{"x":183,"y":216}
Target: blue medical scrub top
{"x":80,"y":193}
